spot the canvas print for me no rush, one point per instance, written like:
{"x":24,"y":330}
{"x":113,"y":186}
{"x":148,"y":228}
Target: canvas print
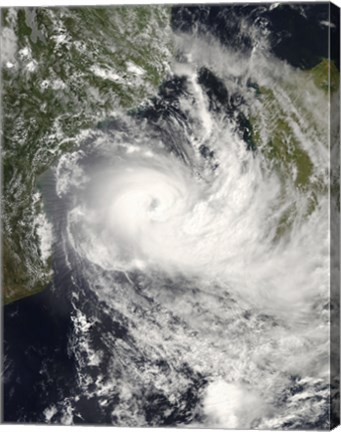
{"x":170,"y":215}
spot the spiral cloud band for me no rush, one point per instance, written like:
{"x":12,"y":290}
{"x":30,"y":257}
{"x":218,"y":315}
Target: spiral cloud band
{"x":210,"y":247}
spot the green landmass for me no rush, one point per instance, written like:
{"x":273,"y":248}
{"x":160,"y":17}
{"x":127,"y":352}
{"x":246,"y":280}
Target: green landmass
{"x":69,"y":69}
{"x":281,"y":146}
{"x":326,"y":75}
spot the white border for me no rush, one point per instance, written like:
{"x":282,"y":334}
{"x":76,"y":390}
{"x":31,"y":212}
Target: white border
{"x":42,"y":3}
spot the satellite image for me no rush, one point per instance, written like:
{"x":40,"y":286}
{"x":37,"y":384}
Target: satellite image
{"x":170,"y":211}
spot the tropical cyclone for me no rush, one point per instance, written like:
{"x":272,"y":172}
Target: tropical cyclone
{"x":192,"y":252}
{"x":173,"y":221}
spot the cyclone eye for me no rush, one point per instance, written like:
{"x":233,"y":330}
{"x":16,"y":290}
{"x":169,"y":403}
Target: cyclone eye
{"x":154,"y":204}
